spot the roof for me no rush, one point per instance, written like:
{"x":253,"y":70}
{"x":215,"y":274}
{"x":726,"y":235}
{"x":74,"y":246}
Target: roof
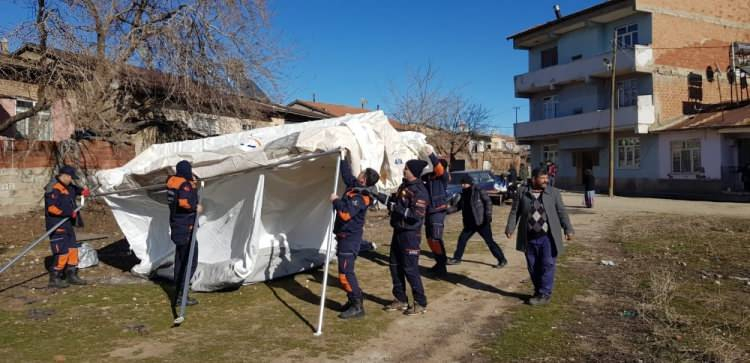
{"x":330,"y":108}
{"x":251,"y":96}
{"x":582,"y":13}
{"x":720,"y":116}
{"x":335,"y":110}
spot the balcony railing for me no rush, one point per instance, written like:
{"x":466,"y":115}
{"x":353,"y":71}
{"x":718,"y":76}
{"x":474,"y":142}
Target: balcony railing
{"x":638,"y":118}
{"x":629,"y":60}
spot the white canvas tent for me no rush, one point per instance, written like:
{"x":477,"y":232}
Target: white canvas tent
{"x":267,"y":212}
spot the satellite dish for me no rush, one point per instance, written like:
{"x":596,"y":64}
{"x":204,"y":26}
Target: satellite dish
{"x":709,"y":74}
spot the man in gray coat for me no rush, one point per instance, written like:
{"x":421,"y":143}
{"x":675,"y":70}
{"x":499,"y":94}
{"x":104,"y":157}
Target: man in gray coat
{"x":540,"y":214}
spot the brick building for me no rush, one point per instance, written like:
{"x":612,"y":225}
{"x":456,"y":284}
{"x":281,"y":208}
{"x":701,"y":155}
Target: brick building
{"x":673,"y":64}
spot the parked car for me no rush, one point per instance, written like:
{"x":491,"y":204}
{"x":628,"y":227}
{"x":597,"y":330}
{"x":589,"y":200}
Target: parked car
{"x":482,"y":178}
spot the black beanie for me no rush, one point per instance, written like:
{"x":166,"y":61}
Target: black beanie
{"x":416,"y":167}
{"x":184,"y":169}
{"x":466,"y":179}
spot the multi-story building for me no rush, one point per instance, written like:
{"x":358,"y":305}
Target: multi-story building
{"x":673,"y":65}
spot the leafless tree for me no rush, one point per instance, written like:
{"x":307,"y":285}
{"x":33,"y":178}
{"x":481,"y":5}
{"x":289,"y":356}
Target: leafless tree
{"x":447,"y":117}
{"x":117,"y":64}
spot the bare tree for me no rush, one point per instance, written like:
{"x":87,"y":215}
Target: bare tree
{"x":448,"y":118}
{"x":117,"y":64}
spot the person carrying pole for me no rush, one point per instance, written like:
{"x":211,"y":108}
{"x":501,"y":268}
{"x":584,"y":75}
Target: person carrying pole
{"x":60,"y":204}
{"x":408,"y":208}
{"x":182,"y":197}
{"x":348,"y":227}
{"x":436,"y":183}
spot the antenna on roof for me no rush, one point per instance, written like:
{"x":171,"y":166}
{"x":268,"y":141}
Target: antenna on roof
{"x":363,"y":102}
{"x":557,"y":11}
{"x":314,"y":97}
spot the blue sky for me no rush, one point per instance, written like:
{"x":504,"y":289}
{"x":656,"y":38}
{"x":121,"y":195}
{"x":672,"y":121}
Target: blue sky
{"x":344,"y":50}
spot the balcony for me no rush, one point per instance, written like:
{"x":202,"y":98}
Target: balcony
{"x":630,"y":60}
{"x":637,"y":118}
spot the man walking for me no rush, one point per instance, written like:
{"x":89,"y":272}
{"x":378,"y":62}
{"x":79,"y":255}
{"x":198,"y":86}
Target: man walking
{"x":351,"y":209}
{"x":476,"y":208}
{"x":436,"y":183}
{"x":182,"y":197}
{"x":59,"y":204}
{"x":408,"y":208}
{"x":551,"y":173}
{"x":540,"y":215}
{"x":589,"y":188}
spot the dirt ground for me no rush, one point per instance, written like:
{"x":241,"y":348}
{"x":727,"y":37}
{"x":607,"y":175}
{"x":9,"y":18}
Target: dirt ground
{"x":121,"y":317}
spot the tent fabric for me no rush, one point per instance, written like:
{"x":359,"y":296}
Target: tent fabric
{"x":266,"y":208}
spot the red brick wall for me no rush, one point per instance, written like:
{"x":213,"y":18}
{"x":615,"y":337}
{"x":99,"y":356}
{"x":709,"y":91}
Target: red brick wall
{"x":41,"y":154}
{"x":688,"y":36}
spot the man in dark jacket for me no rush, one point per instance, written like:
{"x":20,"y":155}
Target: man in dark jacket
{"x":351,"y":209}
{"x":436,"y":183}
{"x":540,"y":215}
{"x":408,"y":208}
{"x":60,"y":204}
{"x":182,"y":197}
{"x":589,"y":188}
{"x":476,"y":208}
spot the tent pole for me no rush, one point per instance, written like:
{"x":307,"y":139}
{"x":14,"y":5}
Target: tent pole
{"x":40,"y":239}
{"x":319,"y":332}
{"x":161,"y":186}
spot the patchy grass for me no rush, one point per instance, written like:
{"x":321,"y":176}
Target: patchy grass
{"x":694,"y":299}
{"x":133,"y":320}
{"x":672,"y":296}
{"x":532,"y":332}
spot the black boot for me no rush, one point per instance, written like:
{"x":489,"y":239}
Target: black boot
{"x":56,"y":281}
{"x":439,"y":270}
{"x":355,"y":310}
{"x":71,"y":274}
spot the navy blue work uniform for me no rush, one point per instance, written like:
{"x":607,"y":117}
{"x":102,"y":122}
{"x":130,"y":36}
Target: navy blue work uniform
{"x":60,"y":203}
{"x":351,"y":209}
{"x":182,"y":197}
{"x":436,"y":184}
{"x":407,"y":217}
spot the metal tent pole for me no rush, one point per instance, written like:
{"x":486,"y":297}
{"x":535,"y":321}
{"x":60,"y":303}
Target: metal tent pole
{"x":319,"y":332}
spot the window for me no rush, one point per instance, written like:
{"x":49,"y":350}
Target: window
{"x":37,"y":127}
{"x":627,"y":93}
{"x":549,"y":57}
{"x":686,"y":156}
{"x":695,"y":86}
{"x":629,"y":153}
{"x":549,"y":153}
{"x":247,"y":127}
{"x":550,"y":107}
{"x":627,"y":36}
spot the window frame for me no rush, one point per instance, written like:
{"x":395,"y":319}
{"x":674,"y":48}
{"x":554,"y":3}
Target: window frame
{"x":690,"y":148}
{"x":629,"y":32}
{"x":629,"y":146}
{"x":550,"y":100}
{"x":549,"y":57}
{"x":627,"y":90}
{"x":550,"y":152}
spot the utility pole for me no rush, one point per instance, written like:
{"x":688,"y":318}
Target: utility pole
{"x":516,"y":108}
{"x":612,"y":118}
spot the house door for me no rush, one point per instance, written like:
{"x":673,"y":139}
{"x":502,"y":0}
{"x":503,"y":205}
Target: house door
{"x":584,"y":160}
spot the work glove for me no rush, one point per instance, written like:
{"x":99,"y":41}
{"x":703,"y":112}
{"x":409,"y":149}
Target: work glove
{"x":86,"y":192}
{"x":428,"y":149}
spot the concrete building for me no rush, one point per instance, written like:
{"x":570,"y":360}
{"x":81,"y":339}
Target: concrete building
{"x":672,"y":65}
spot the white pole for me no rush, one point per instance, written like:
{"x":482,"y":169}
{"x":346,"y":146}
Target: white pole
{"x":329,"y":230}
